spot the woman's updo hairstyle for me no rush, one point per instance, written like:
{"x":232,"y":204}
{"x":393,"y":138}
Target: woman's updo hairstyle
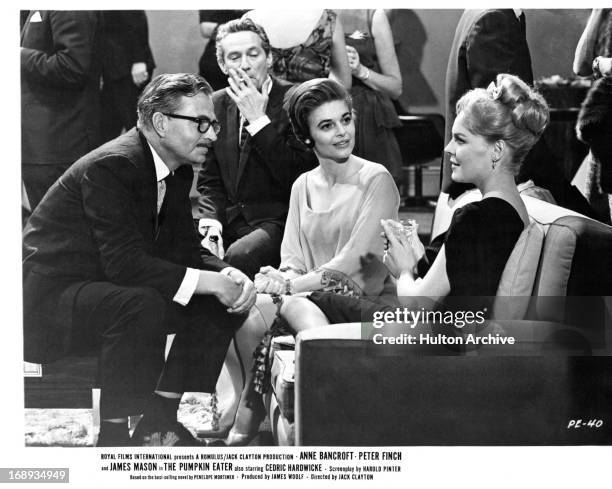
{"x":508,"y":109}
{"x":302,"y":99}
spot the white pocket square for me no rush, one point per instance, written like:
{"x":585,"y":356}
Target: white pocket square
{"x":36,"y":17}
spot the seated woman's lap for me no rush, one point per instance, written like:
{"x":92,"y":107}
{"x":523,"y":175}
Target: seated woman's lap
{"x":344,"y":309}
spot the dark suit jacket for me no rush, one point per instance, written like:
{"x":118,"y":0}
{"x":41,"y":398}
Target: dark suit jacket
{"x":99,"y":222}
{"x":60,"y":80}
{"x":486,"y":43}
{"x":126,"y":41}
{"x":255,"y":182}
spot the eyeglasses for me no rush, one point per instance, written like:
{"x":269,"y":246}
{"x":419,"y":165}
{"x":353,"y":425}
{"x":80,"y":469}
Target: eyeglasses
{"x":204,"y":123}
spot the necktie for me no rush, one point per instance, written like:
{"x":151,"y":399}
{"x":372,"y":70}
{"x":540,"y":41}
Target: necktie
{"x":523,"y":24}
{"x":244,"y":134}
{"x":161,"y":192}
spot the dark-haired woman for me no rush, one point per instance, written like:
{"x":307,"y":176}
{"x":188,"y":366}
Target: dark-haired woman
{"x":331,"y":239}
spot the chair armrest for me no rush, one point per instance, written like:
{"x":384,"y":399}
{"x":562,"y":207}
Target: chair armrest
{"x":350,"y":391}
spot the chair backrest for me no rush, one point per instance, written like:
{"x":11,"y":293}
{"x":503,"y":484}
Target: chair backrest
{"x":576,"y":259}
{"x":518,"y":278}
{"x":575,"y":277}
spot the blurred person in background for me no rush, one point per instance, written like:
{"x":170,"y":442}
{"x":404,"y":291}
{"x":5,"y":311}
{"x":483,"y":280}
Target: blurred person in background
{"x":487,"y":42}
{"x":305,"y":44}
{"x":60,"y":81}
{"x":376,"y":81}
{"x":594,"y":58}
{"x":127,"y":67}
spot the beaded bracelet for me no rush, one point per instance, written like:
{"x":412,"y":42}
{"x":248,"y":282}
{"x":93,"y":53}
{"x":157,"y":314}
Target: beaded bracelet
{"x":288,"y":287}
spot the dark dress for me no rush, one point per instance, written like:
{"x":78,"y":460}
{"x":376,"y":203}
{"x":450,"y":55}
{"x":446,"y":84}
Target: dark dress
{"x":479,"y":242}
{"x":208,"y":65}
{"x":312,"y":58}
{"x":376,"y":115}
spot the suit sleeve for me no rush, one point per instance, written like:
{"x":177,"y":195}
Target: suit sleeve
{"x":68,"y":65}
{"x":212,"y":199}
{"x":137,"y":30}
{"x":110,"y":207}
{"x":279,"y":149}
{"x":186,"y":248}
{"x":186,"y":238}
{"x":489,"y":49}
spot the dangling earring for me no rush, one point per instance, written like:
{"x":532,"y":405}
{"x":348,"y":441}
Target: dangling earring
{"x":493,"y":163}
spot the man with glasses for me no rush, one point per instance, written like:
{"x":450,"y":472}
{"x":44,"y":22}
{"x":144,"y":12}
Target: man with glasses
{"x":112,"y":262}
{"x":246,"y":181}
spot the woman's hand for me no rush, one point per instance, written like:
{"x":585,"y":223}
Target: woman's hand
{"x":357,"y":69}
{"x":417,"y":246}
{"x":400,"y":255}
{"x":270,"y":281}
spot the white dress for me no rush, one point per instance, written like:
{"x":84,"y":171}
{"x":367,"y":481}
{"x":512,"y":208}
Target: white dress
{"x":344,"y":240}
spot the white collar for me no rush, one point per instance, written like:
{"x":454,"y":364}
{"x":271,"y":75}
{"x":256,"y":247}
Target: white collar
{"x":518,"y":12}
{"x":161,"y":170}
{"x":267,"y":85}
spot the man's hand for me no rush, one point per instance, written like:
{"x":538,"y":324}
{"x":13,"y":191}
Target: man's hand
{"x":213,"y":240}
{"x":247,"y":296}
{"x":139,"y":73}
{"x":225,"y":289}
{"x":251,"y":102}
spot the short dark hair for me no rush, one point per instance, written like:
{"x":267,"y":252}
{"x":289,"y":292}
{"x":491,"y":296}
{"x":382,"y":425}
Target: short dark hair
{"x":240,"y":25}
{"x":301,"y":100}
{"x":163,"y":92}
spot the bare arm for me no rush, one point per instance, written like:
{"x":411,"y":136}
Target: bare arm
{"x":380,"y":202}
{"x":206,"y":31}
{"x":585,"y":50}
{"x":435,"y":285}
{"x":339,"y":70}
{"x":389,"y":80}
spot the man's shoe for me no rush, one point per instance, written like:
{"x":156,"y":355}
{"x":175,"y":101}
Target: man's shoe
{"x":172,"y":434}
